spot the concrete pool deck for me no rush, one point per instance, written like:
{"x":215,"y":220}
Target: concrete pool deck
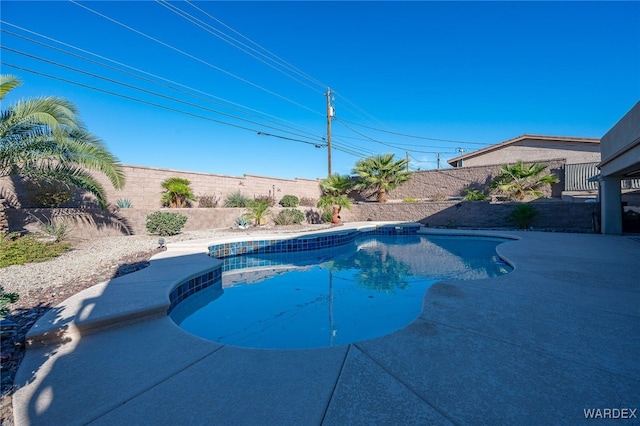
{"x":558,"y":335}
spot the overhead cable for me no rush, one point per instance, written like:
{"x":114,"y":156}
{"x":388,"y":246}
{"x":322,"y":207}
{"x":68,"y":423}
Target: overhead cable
{"x":182,"y":52}
{"x":138,"y":100}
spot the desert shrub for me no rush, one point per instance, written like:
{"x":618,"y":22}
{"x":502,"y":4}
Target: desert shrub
{"x":165,"y":223}
{"x":208,"y":201}
{"x":237,"y":199}
{"x":16,"y":250}
{"x":523,"y":214}
{"x":474,"y":195}
{"x":242,"y":222}
{"x":326,"y":216}
{"x":410,"y":200}
{"x":267,"y":199}
{"x":124,"y":203}
{"x":289,"y":201}
{"x":5,"y":300}
{"x":289,"y":217}
{"x":45,"y":193}
{"x":307,"y":202}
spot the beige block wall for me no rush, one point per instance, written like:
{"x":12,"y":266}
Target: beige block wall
{"x":92,"y":223}
{"x":538,"y":150}
{"x":144,"y":190}
{"x":552,"y":215}
{"x":451,"y":182}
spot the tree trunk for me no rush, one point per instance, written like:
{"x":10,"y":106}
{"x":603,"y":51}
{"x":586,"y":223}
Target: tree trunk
{"x":382,"y":195}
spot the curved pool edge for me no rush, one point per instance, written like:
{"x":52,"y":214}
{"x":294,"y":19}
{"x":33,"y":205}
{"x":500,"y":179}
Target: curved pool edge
{"x":130,"y":374}
{"x":146,"y":294}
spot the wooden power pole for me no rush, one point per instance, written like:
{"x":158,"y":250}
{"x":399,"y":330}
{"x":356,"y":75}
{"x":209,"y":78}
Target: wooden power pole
{"x":329,"y":117}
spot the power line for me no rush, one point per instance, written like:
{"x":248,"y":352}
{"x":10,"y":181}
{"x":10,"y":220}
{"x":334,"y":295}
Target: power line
{"x":416,"y":137}
{"x":182,"y":52}
{"x":146,"y":91}
{"x":141,"y":101}
{"x":383,"y":143}
{"x":211,"y":30}
{"x":171,"y":87}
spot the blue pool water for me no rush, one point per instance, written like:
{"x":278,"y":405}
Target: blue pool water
{"x":332,"y":296}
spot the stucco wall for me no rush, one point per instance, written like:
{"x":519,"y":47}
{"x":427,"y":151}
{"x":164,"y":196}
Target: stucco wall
{"x":621,"y":145}
{"x":538,"y":150}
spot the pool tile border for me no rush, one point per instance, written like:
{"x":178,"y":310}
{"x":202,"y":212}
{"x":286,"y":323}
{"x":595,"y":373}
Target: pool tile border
{"x":275,"y":245}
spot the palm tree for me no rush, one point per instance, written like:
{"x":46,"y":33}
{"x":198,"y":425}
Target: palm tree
{"x":519,"y":180}
{"x":258,"y":211}
{"x":336,"y":184}
{"x":43,"y":138}
{"x":334,"y":192}
{"x":177,"y":192}
{"x":381,"y":173}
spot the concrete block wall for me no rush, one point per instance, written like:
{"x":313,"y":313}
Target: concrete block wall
{"x":451,"y":182}
{"x":92,"y":222}
{"x":144,"y":190}
{"x":552,"y":215}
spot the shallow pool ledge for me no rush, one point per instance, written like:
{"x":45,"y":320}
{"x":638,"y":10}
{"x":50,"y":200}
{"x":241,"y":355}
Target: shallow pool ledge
{"x":127,"y":299}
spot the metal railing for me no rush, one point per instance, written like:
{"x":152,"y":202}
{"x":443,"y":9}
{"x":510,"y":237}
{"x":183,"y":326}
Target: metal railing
{"x":584,"y":177}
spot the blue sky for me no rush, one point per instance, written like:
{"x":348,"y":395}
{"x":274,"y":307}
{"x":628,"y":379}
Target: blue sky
{"x":452,"y":75}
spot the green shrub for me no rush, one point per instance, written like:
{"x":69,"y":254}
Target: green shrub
{"x":16,"y":250}
{"x":326,"y":216}
{"x":410,"y":200}
{"x":270,"y":201}
{"x":523,"y":214}
{"x":474,"y":195}
{"x":5,"y":300}
{"x":289,"y":201}
{"x":289,"y":217}
{"x":165,"y":223}
{"x":124,"y":203}
{"x":236,"y":200}
{"x":208,"y":201}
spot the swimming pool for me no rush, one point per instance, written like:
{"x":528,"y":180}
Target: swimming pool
{"x":366,"y":287}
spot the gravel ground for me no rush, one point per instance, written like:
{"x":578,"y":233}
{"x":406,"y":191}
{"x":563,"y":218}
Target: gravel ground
{"x":42,"y":286}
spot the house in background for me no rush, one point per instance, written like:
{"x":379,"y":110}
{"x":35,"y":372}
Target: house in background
{"x":620,"y":149}
{"x":531,"y":148}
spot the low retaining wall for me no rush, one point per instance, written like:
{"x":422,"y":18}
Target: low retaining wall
{"x":92,"y":223}
{"x":552,"y":215}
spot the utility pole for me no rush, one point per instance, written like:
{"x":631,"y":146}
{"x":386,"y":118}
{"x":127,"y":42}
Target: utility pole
{"x":329,"y":117}
{"x":438,"y":161}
